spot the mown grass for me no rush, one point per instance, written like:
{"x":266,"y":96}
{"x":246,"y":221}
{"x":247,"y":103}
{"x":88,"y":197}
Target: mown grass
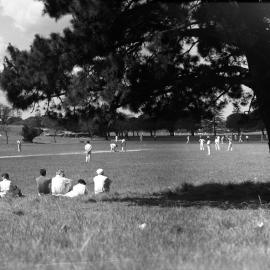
{"x":177,"y":191}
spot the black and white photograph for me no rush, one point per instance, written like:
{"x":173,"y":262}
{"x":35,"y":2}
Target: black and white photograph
{"x":134,"y":134}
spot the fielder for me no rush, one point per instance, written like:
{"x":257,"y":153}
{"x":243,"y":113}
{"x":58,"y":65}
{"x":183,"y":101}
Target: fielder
{"x":208,"y":142}
{"x":217,"y":146}
{"x":222,"y":139}
{"x":230,"y":144}
{"x":201,"y":141}
{"x":113,"y":147}
{"x":240,"y":138}
{"x":88,"y":152}
{"x":187,"y":139}
{"x":19,"y":146}
{"x":123,"y":145}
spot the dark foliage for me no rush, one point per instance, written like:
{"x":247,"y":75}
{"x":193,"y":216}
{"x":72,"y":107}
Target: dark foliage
{"x":29,"y":133}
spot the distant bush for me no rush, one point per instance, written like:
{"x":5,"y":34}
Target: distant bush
{"x":29,"y":133}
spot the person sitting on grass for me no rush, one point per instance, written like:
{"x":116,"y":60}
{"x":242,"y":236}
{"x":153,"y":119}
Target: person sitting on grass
{"x":60,"y":184}
{"x":101,"y":182}
{"x":4,"y":184}
{"x":43,"y":183}
{"x":14,"y":191}
{"x":77,"y":190}
{"x":7,"y":188}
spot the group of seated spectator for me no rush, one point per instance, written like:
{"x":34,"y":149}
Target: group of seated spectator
{"x":58,"y":185}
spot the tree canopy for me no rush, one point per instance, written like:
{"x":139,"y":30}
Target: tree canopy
{"x":161,"y":58}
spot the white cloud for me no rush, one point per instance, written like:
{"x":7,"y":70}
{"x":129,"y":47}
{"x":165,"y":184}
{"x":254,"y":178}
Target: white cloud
{"x":23,"y":12}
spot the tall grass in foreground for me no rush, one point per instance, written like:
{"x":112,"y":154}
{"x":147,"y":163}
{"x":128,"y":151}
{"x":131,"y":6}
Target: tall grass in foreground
{"x":57,"y":233}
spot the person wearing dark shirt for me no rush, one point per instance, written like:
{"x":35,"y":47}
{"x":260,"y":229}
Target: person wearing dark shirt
{"x":43,"y":183}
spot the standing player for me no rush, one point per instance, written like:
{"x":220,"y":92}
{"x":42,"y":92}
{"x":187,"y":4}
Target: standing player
{"x":208,"y":142}
{"x":240,"y":138}
{"x":116,"y":138}
{"x":230,"y":144}
{"x":188,"y":139}
{"x":19,"y":145}
{"x":201,"y":141}
{"x":141,"y":137}
{"x":217,"y":147}
{"x":123,"y":145}
{"x":222,"y":139}
{"x":247,"y":138}
{"x":88,"y":152}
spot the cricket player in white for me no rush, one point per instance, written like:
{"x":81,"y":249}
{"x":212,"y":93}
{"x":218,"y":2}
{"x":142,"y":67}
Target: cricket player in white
{"x":113,"y":147}
{"x":101,"y":183}
{"x":88,"y":151}
{"x":208,"y":142}
{"x":201,"y":141}
{"x":230,"y":144}
{"x":222,"y":139}
{"x":240,"y":138}
{"x":217,"y":146}
{"x":19,"y":146}
{"x":123,"y":145}
{"x":187,"y":139}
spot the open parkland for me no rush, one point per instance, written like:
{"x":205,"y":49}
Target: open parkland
{"x":170,"y":207}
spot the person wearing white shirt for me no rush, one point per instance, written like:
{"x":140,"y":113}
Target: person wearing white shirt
{"x":208,"y":142}
{"x":222,"y":139}
{"x":201,"y":141}
{"x":113,"y":147}
{"x":217,"y":147}
{"x":77,"y":190}
{"x":4,"y":184}
{"x":240,"y":138}
{"x":123,"y":145}
{"x":230,"y":148}
{"x":19,"y":146}
{"x":60,"y":184}
{"x":88,"y":151}
{"x":101,"y":183}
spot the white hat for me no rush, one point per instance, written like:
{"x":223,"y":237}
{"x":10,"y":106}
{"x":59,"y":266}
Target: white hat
{"x":100,"y":171}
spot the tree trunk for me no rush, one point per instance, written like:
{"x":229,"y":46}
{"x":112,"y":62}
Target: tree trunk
{"x":6,"y":137}
{"x":214,"y":126}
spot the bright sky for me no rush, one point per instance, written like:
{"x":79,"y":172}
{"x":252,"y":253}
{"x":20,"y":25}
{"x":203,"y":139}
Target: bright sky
{"x":20,"y":20}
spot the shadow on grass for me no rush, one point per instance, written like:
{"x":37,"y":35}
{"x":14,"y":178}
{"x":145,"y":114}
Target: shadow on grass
{"x":244,"y":195}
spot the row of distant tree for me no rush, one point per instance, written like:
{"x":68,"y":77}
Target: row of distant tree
{"x":122,"y":125}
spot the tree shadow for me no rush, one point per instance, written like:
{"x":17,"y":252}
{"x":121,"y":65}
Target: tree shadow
{"x":245,"y":195}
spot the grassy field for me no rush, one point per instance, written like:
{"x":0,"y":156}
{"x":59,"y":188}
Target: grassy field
{"x":201,"y":212}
